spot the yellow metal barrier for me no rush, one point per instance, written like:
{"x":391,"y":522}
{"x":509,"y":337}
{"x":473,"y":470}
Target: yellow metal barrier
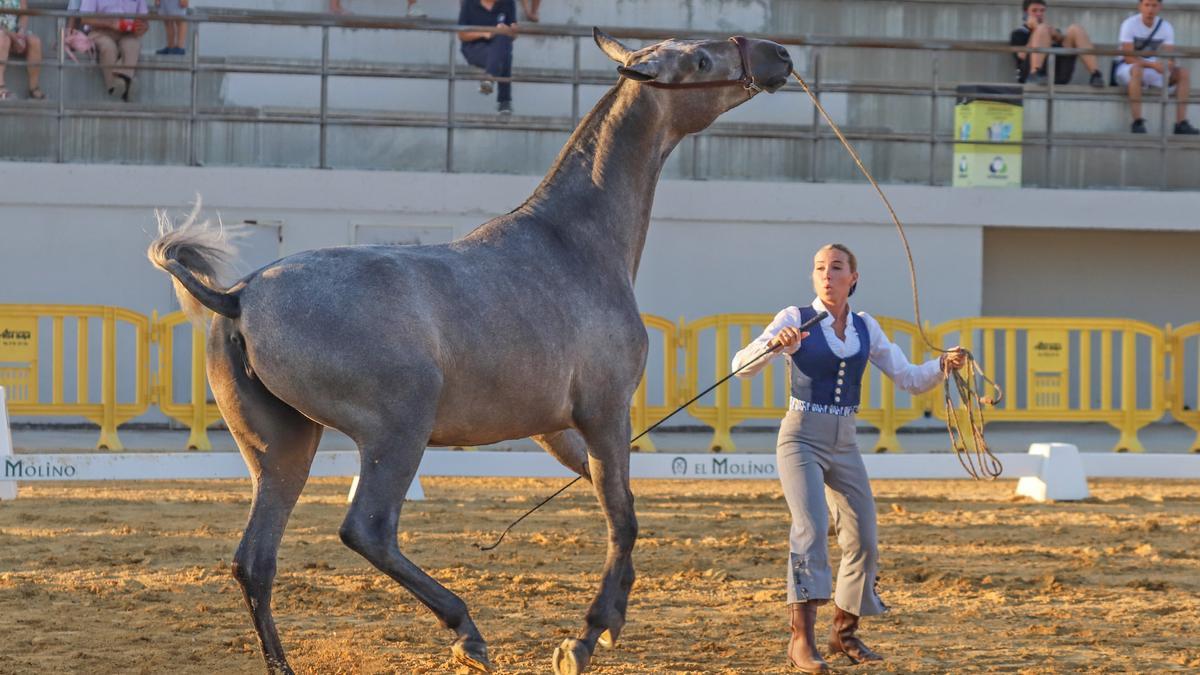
{"x":1069,"y":370}
{"x":197,"y":413}
{"x":1177,"y":343}
{"x":20,"y":366}
{"x":1061,"y":379}
{"x":881,"y":411}
{"x":644,"y":412}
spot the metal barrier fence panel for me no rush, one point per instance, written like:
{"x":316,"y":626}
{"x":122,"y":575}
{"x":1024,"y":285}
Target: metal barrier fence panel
{"x":1183,"y":393}
{"x":1070,"y":370}
{"x":196,"y":412}
{"x":658,"y":392}
{"x":765,"y":396}
{"x":24,"y":351}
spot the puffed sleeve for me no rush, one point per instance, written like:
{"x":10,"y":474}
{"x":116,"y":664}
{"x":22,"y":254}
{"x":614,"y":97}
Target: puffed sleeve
{"x":789,"y":316}
{"x":889,"y":358}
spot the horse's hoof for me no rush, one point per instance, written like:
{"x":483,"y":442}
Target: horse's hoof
{"x":606,"y":639}
{"x":571,"y":657}
{"x":472,"y":654}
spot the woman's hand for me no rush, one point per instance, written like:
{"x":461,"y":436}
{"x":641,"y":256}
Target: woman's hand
{"x":954,"y":359}
{"x":787,"y":337}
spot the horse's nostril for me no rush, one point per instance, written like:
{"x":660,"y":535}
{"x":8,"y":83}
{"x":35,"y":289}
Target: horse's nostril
{"x":782,"y":52}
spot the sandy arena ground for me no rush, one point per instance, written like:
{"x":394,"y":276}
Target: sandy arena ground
{"x":133,"y":578}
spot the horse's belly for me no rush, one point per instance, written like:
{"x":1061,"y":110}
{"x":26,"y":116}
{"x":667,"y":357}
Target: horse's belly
{"x":485,"y":422}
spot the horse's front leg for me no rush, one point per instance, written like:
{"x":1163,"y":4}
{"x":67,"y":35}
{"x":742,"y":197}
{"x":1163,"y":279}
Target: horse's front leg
{"x":608,"y":449}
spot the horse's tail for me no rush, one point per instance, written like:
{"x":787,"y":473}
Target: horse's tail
{"x":195,"y":253}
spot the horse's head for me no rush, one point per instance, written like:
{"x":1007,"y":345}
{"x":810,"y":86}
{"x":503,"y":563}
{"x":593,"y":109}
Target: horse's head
{"x":707,"y":76}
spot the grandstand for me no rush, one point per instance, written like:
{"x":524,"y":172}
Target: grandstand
{"x":887,"y":69}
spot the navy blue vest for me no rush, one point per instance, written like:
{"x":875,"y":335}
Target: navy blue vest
{"x":819,"y":376}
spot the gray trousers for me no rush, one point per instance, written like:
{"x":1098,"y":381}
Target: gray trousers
{"x":822,"y":471}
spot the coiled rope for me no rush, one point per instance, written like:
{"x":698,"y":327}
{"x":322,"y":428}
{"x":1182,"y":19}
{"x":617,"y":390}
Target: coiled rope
{"x":975,"y":456}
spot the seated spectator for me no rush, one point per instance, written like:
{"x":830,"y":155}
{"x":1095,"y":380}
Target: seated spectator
{"x":176,"y":29}
{"x":16,"y":40}
{"x":1146,"y":34}
{"x":490,"y":49}
{"x":118,"y":40}
{"x":531,"y":9}
{"x":1037,"y":32}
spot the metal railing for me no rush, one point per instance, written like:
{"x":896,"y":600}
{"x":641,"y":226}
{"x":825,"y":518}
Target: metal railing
{"x":935,"y":89}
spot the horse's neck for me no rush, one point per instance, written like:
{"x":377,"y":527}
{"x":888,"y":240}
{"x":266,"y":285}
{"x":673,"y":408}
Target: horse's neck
{"x":600,"y":190}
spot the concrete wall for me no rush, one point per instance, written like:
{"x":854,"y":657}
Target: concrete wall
{"x":77,"y":233}
{"x":1151,"y":276}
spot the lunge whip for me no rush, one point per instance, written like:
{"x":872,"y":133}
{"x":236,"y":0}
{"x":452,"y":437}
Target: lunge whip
{"x":771,"y":350}
{"x":975,"y":456}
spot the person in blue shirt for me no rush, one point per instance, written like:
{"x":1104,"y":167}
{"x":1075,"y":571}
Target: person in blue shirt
{"x":490,"y":49}
{"x":817,"y":452}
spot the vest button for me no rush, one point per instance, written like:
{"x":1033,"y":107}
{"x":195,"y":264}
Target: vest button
{"x":839,"y":380}
{"x":842,"y":364}
{"x":837,"y":399}
{"x":838,"y":390}
{"x":841,"y":372}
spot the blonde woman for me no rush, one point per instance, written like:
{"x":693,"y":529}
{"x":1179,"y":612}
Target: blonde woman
{"x":818,"y":457}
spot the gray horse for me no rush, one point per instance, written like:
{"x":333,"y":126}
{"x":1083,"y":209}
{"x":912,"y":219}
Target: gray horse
{"x":527,"y":326}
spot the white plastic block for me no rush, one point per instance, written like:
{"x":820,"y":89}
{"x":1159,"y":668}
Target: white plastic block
{"x":1061,"y":477}
{"x":8,"y":488}
{"x":415,"y":492}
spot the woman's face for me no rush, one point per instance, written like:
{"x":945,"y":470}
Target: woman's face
{"x":832,"y":277}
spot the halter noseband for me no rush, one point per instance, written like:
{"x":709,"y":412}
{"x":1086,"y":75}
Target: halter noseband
{"x":746,"y":81}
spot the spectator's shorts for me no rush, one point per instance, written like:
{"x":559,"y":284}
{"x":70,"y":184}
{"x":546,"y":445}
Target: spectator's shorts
{"x":1150,"y":78}
{"x":171,"y":8}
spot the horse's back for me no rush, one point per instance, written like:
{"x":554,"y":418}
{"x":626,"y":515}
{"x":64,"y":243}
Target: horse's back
{"x":495,"y":343}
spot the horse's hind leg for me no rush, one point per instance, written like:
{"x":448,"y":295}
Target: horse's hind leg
{"x":389,"y":461}
{"x":278,"y":444}
{"x":608,"y":445}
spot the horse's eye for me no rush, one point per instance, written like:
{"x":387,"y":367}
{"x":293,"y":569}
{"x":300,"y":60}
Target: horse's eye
{"x":705,"y":64}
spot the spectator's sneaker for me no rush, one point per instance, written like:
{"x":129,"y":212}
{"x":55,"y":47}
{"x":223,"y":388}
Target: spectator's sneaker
{"x":1097,"y":80}
{"x":1038,"y":79}
{"x":165,"y":50}
{"x":1139,"y":126}
{"x":415,"y":12}
{"x":486,"y":87}
{"x":178,"y":51}
{"x":119,"y":88}
{"x":1185,"y":128}
{"x":504,"y":108}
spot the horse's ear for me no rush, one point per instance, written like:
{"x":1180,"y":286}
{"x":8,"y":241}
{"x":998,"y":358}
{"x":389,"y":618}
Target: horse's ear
{"x":642,"y":71}
{"x":609,"y":45}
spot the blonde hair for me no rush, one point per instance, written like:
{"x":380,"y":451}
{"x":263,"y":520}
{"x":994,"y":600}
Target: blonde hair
{"x":844,"y":249}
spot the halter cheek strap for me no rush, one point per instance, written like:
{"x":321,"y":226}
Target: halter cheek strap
{"x":746,"y":81}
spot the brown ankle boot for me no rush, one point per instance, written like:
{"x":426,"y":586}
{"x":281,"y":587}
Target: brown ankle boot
{"x":843,"y":640}
{"x":802,"y":648}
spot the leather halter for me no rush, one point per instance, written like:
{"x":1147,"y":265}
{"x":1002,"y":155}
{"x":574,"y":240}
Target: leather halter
{"x":746,"y":81}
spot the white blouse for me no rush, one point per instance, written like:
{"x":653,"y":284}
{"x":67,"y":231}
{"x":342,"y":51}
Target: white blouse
{"x":886,"y":355}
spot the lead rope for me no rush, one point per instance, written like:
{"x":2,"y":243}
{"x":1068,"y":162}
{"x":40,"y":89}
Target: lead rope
{"x":976,"y":458}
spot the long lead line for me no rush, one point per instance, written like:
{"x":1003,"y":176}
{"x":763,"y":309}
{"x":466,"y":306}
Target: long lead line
{"x":770,"y":350}
{"x":976,"y":458}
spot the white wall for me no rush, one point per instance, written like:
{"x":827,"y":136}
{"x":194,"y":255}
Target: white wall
{"x":77,"y":233}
